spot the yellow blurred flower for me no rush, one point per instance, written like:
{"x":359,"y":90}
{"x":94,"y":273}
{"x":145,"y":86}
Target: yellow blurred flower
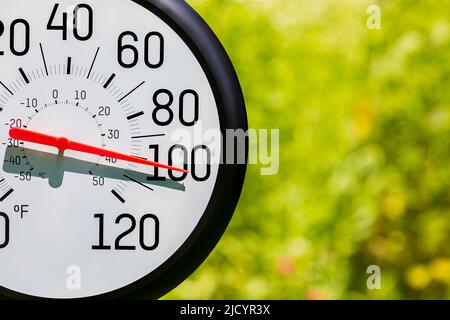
{"x":363,"y":119}
{"x":387,"y":247}
{"x":440,"y":269}
{"x":418,"y":277}
{"x":394,"y":205}
{"x":377,"y":246}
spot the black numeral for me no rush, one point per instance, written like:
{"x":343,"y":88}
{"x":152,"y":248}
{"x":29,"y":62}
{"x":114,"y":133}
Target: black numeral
{"x":98,"y":181}
{"x":15,"y":160}
{"x":76,"y":17}
{"x":13,"y":143}
{"x":5,"y":219}
{"x":117,"y":245}
{"x":51,"y":25}
{"x":26,"y":46}
{"x":62,"y":27}
{"x":2,"y":30}
{"x":17,"y":48}
{"x":113,"y":134}
{"x":155,"y":176}
{"x":183,"y":149}
{"x":15,"y":123}
{"x":195,"y":154}
{"x":101,"y":233}
{"x":163,"y":114}
{"x":162,"y":107}
{"x":31,"y":103}
{"x":104,"y":111}
{"x":195,"y":106}
{"x":153,"y":50}
{"x":24,"y":176}
{"x":144,"y":230}
{"x":159,"y":60}
{"x":80,"y":95}
{"x":111,"y":160}
{"x":132,"y":50}
{"x":194,"y":168}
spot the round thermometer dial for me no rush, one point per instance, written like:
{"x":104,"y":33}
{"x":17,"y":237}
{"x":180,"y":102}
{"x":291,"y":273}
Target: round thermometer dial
{"x":108,"y":187}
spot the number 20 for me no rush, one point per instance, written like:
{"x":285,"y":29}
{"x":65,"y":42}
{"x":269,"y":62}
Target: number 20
{"x":12,"y":40}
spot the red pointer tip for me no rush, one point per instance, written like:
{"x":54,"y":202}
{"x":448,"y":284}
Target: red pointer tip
{"x":63,"y":144}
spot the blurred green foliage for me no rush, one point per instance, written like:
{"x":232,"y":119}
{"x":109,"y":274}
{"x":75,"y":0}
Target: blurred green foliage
{"x":364,"y":166}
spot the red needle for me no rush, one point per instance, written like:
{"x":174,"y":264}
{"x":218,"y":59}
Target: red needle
{"x":65,"y":144}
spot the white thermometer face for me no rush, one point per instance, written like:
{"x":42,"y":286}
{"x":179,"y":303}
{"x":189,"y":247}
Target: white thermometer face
{"x":111,"y":75}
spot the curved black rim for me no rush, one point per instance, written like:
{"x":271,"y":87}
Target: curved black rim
{"x":230,"y":179}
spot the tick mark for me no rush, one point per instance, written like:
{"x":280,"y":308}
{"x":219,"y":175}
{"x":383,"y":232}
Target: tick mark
{"x":139,"y":183}
{"x":137,"y":87}
{"x":149,"y":136}
{"x":6,"y":194}
{"x":108,"y":82}
{"x":137,"y":114}
{"x":24,"y":76}
{"x":114,"y":192}
{"x":93,"y":61}
{"x":69,"y":65}
{"x":43,"y":58}
{"x":4,"y":86}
